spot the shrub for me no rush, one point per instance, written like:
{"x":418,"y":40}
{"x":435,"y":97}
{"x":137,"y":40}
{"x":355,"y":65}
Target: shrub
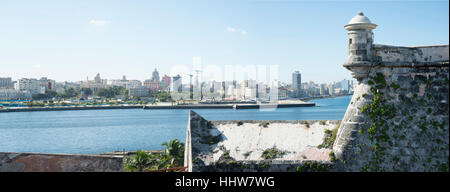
{"x":332,"y":156}
{"x":211,"y":140}
{"x":264,"y":124}
{"x":272,"y":153}
{"x":329,"y":140}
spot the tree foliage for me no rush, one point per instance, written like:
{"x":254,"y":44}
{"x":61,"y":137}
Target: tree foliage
{"x":173,"y":156}
{"x":111,"y":92}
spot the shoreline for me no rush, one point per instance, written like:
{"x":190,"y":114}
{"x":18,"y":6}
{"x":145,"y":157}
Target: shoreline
{"x":236,"y":106}
{"x":325,"y":97}
{"x":193,"y":106}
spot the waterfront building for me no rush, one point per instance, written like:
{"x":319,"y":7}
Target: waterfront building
{"x":12,"y":94}
{"x":60,"y":87}
{"x":323,"y":89}
{"x":151,"y":84}
{"x":47,"y":84}
{"x":134,"y":83}
{"x":345,"y":85}
{"x":165,"y":82}
{"x":297,"y":83}
{"x":248,"y":89}
{"x":331,"y":89}
{"x":176,"y":84}
{"x":31,"y":85}
{"x":95,"y":85}
{"x":119,"y":82}
{"x":5,"y":82}
{"x":352,"y":86}
{"x":138,"y":91}
{"x":262,"y":91}
{"x":155,"y":76}
{"x":282,"y":92}
{"x":97,"y":78}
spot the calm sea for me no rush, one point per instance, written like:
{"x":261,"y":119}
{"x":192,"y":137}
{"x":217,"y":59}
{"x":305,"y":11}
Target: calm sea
{"x":98,"y":131}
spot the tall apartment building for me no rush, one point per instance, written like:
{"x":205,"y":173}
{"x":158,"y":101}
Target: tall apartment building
{"x":5,"y":82}
{"x":345,"y":85}
{"x":138,"y":91}
{"x":31,"y":85}
{"x":176,"y":84}
{"x":47,"y":84}
{"x":297,"y":83}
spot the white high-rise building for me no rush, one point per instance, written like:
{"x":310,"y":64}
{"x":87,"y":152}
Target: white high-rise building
{"x":31,"y":85}
{"x":297,"y":83}
{"x":176,"y":84}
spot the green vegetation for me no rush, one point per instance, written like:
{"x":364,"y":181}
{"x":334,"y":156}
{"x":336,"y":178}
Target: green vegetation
{"x":306,"y":123}
{"x":265,"y":165}
{"x":173,"y":156}
{"x":264,"y":124}
{"x":247,"y":154}
{"x":395,"y":86}
{"x":313,"y":166}
{"x":332,"y":156}
{"x":330,"y":137}
{"x":47,"y":95}
{"x":210,"y":140}
{"x":162,"y":96}
{"x":111,"y":92}
{"x":379,"y":112}
{"x":140,"y":161}
{"x":69,"y":93}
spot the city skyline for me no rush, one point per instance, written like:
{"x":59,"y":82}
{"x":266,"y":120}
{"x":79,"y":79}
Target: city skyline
{"x":69,"y":41}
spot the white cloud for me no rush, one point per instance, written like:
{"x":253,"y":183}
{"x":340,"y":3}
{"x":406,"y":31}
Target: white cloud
{"x":98,"y":22}
{"x":231,"y":29}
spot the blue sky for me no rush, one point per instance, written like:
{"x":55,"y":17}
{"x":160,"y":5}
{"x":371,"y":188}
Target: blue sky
{"x":69,"y":40}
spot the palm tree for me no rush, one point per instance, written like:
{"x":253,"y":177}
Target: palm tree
{"x":140,"y":161}
{"x":174,"y":152}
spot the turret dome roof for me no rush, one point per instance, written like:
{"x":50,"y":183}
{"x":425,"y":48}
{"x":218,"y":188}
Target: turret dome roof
{"x":360,"y":22}
{"x":359,"y":18}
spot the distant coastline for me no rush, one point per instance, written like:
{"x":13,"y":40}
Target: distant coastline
{"x":192,"y":106}
{"x":303,"y":103}
{"x":324,"y":97}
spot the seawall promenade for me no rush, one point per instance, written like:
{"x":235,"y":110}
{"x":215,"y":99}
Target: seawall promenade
{"x":190,"y":106}
{"x":231,"y":106}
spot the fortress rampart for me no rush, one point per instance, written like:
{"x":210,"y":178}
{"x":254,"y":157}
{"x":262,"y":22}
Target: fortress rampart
{"x":397,"y":119}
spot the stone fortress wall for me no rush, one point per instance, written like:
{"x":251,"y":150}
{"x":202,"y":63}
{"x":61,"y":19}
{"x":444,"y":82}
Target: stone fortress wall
{"x":397,"y":119}
{"x":217,"y":146}
{"x":42,"y":162}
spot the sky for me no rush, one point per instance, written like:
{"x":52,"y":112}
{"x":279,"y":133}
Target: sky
{"x":70,"y":40}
